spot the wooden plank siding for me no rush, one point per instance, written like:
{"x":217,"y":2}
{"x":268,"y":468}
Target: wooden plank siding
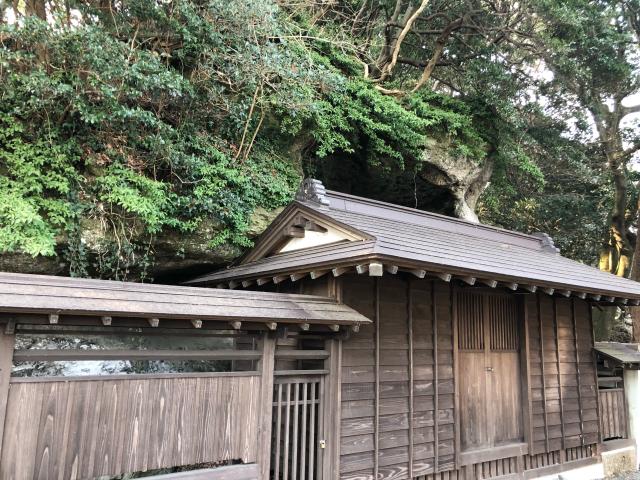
{"x":87,"y":429}
{"x":564,"y":394}
{"x":398,"y":390}
{"x":405,"y":407}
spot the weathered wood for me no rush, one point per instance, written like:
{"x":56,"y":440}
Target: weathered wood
{"x":128,"y":425}
{"x":376,"y":433}
{"x":577,"y":360}
{"x":7,"y":343}
{"x":409,"y":314}
{"x":544,"y":379}
{"x":560,"y":387}
{"x":526,"y":367}
{"x":434,"y":321}
{"x":456,"y":374}
{"x":266,"y":367}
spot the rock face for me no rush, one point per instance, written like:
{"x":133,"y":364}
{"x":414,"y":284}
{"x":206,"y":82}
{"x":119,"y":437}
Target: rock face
{"x":176,"y":256}
{"x":464,"y":178}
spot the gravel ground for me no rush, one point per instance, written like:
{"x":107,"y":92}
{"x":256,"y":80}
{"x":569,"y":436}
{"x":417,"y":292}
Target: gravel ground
{"x":628,"y":476}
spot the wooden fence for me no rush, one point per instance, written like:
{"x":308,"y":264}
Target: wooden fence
{"x":613,"y":413}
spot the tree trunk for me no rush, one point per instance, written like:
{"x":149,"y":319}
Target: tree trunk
{"x":634,"y":274}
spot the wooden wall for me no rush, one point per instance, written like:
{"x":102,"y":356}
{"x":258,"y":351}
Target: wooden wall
{"x":398,"y":372}
{"x":397,"y":380}
{"x":88,"y":428}
{"x":564,"y":403}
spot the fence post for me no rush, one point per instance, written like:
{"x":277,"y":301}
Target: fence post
{"x":7,"y":343}
{"x":265,"y":367}
{"x":632,"y":398}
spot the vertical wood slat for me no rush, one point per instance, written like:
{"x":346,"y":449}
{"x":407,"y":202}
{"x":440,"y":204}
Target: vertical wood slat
{"x":411,"y":380}
{"x":303,"y":432}
{"x":434,"y":317}
{"x":287,"y":418}
{"x":456,"y":376}
{"x":312,"y":437}
{"x":557,"y":339}
{"x":594,"y":362}
{"x":577,"y":358}
{"x":544,"y":381}
{"x":276,"y":458}
{"x":526,"y":385}
{"x":332,"y":411}
{"x":376,"y":426}
{"x":7,"y":344}
{"x":294,"y":447}
{"x":321,"y":427}
{"x":266,"y":366}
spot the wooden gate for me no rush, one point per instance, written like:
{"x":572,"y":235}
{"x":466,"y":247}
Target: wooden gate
{"x":298,"y":426}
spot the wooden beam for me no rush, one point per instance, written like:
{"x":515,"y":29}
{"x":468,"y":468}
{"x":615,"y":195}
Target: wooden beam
{"x":360,"y":269}
{"x":196,"y":323}
{"x":376,"y":269}
{"x":280,"y":278}
{"x":529,"y":288}
{"x":271,"y":325}
{"x":468,"y":280}
{"x":54,"y":318}
{"x":511,"y":285}
{"x":339,"y":271}
{"x":547,"y":290}
{"x":236,"y":325}
{"x":317,"y":274}
{"x":106,"y":321}
{"x":488,"y":283}
{"x":233,"y":284}
{"x":7,"y":345}
{"x":304,"y":327}
{"x":581,"y":295}
{"x":263,"y":281}
{"x":247,"y":283}
{"x":392,"y":269}
{"x":265,"y":442}
{"x":153,"y":322}
{"x":564,"y":293}
{"x":297,"y":276}
{"x":418,"y":273}
{"x":294,"y":232}
{"x":445,"y":277}
{"x":334,"y":328}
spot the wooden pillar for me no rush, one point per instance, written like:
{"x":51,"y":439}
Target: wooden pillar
{"x":376,"y":426}
{"x":544,"y":380}
{"x":577,"y":358}
{"x":456,"y":376}
{"x":557,"y":335}
{"x":332,"y":411}
{"x":525,"y":357}
{"x":7,"y":344}
{"x":434,"y":319}
{"x":265,"y":367}
{"x":411,"y":379}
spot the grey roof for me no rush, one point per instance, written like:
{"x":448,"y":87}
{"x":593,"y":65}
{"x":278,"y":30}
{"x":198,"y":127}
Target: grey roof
{"x":436,"y":243}
{"x":627,"y":353}
{"x":22,"y":293}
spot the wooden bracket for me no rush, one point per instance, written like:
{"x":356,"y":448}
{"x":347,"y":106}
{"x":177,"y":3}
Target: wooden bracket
{"x":317,"y":274}
{"x":339,"y":271}
{"x":233,"y":284}
{"x":54,"y":318}
{"x":153,"y":322}
{"x":334,"y":328}
{"x":418,"y":273}
{"x":355,"y":328}
{"x":529,"y":288}
{"x":511,"y":286}
{"x":236,"y":325}
{"x":263,"y":281}
{"x":468,"y":280}
{"x":489,"y":283}
{"x":392,"y":269}
{"x":271,"y":325}
{"x":247,"y":283}
{"x":196,"y":323}
{"x":106,"y":321}
{"x":10,"y":327}
{"x":360,"y":269}
{"x":280,"y":278}
{"x":564,"y":293}
{"x":445,"y":277}
{"x":548,"y":291}
{"x":297,"y":276}
{"x":304,"y":327}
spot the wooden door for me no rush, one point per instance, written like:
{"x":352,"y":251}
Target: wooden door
{"x":489,"y":370}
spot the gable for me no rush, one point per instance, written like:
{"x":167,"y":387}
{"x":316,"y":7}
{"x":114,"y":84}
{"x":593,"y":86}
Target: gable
{"x":298,"y":228}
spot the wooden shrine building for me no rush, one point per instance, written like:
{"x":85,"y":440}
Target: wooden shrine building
{"x":478,"y":361}
{"x":357,"y":341}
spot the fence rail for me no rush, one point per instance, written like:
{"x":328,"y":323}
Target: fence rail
{"x":613,"y":413}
